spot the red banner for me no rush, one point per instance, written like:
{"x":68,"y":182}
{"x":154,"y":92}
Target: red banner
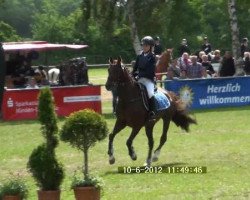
{"x":22,"y":104}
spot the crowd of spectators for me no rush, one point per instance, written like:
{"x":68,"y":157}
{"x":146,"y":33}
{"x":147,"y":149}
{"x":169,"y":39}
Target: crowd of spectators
{"x":21,"y":74}
{"x":206,"y":63}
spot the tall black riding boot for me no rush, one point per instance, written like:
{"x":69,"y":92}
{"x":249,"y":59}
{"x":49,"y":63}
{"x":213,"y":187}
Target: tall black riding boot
{"x":152,"y":108}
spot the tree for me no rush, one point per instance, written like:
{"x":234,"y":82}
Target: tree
{"x":118,"y":25}
{"x":17,"y":13}
{"x":234,"y":28}
{"x":8,"y":33}
{"x":133,"y":27}
{"x":52,"y":26}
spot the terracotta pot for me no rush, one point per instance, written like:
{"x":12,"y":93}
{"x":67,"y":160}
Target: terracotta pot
{"x":8,"y":197}
{"x":49,"y":195}
{"x":87,"y":193}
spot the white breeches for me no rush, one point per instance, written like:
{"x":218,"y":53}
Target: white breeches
{"x":149,"y":84}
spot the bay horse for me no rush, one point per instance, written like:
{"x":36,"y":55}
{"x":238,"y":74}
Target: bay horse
{"x":131,"y":112}
{"x":163,"y":63}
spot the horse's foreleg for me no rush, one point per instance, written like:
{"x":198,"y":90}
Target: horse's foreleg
{"x":149,"y":133}
{"x":129,"y":143}
{"x":163,"y":139}
{"x":118,"y":127}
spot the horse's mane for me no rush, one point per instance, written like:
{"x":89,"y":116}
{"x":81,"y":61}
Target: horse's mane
{"x":128,"y":74}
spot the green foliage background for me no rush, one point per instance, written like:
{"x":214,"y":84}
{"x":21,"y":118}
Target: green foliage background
{"x":103,"y":24}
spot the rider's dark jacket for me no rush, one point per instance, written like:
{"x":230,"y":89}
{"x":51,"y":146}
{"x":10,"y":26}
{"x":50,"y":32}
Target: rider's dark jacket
{"x":145,"y":66}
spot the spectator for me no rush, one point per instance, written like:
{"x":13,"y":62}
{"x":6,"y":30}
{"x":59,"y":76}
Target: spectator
{"x":174,"y":66}
{"x":205,"y":74}
{"x":158,"y":47}
{"x":207,"y":65}
{"x":195,"y":69}
{"x":246,"y":55}
{"x":41,"y":76}
{"x":183,"y":62}
{"x":206,"y":47}
{"x":244,"y":47}
{"x":227,"y":67}
{"x":216,"y":57}
{"x":170,"y":74}
{"x":183,"y":74}
{"x":201,"y":53}
{"x":183,"y":48}
{"x":28,"y":70}
{"x":32,"y":84}
{"x":247,"y":63}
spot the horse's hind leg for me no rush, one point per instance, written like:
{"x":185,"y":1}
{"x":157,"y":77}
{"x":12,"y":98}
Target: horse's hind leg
{"x":129,"y":143}
{"x":149,"y":133}
{"x":118,"y":127}
{"x":166,"y":122}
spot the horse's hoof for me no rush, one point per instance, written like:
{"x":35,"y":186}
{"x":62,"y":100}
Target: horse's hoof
{"x":156,"y":156}
{"x":111,"y":160}
{"x":133,"y":156}
{"x":155,"y":159}
{"x":147,"y":163}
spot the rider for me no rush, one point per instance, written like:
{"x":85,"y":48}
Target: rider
{"x":144,"y":68}
{"x":157,"y":47}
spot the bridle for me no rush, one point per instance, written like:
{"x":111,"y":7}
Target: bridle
{"x":122,"y":80}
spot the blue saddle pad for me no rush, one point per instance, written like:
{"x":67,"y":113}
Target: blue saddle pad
{"x":162,"y":102}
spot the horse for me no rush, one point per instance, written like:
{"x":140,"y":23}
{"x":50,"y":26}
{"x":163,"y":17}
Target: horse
{"x":163,"y":63}
{"x":131,"y":111}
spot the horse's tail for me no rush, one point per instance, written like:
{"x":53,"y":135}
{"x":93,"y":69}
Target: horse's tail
{"x":181,"y":116}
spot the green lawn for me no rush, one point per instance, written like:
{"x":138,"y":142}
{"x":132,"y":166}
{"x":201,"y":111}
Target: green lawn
{"x":220,"y":142}
{"x":98,"y":76}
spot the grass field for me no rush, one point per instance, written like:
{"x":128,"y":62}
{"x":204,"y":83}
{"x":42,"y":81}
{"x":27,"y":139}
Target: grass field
{"x":220,"y":142}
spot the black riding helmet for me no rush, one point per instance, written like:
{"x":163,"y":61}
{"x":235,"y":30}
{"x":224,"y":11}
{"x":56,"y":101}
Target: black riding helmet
{"x":148,"y":40}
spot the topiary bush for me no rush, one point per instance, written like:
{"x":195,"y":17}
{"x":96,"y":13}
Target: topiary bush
{"x":46,"y":170}
{"x":82,"y":130}
{"x":43,"y":165}
{"x":47,"y":117}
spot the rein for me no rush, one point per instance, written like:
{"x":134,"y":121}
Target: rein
{"x":129,"y":80}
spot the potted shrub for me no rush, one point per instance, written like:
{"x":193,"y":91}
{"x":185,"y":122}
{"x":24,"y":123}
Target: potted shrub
{"x":82,"y":130}
{"x":13,"y":189}
{"x":46,"y":170}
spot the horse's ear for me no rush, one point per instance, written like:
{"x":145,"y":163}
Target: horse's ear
{"x":119,"y":60}
{"x":111,"y":61}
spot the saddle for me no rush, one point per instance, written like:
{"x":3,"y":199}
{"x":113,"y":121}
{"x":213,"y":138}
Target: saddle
{"x":162,"y":99}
